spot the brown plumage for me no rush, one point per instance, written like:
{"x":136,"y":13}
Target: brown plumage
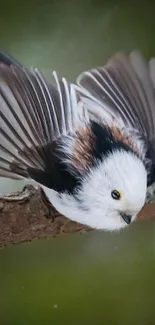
{"x":120,"y":136}
{"x":82,"y":149}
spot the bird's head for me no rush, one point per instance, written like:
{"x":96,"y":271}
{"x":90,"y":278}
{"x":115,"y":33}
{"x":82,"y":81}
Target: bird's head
{"x":113,"y":192}
{"x":112,"y":184}
{"x":110,"y":196}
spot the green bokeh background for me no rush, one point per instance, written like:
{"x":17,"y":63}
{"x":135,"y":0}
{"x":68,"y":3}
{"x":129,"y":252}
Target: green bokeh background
{"x":78,"y":279}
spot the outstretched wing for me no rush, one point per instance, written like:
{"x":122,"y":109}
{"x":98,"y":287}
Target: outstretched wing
{"x":34,"y":117}
{"x":123,"y":90}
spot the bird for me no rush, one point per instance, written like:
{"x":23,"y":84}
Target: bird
{"x":90,"y":144}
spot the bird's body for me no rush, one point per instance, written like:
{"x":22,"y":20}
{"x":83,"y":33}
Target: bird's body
{"x":91,"y":147}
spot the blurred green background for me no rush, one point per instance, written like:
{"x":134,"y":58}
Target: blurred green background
{"x":78,"y":279}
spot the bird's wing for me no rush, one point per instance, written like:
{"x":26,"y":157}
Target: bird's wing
{"x":123,"y":91}
{"x":34,"y":116}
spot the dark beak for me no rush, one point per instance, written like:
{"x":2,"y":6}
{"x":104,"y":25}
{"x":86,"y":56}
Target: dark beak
{"x":127,"y":218}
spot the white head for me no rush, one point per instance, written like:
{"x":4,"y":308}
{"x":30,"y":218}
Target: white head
{"x":111,"y":195}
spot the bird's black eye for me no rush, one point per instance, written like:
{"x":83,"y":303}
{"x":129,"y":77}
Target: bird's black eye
{"x":116,"y":195}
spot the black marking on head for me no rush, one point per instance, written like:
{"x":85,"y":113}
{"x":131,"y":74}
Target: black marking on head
{"x":104,"y":142}
{"x":55,"y":175}
{"x":151,"y":167}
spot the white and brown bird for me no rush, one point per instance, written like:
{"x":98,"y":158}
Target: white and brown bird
{"x":90,"y":146}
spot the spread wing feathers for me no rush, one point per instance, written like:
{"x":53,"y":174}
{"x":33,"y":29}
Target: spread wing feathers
{"x":33,"y":115}
{"x":122,"y":90}
{"x":9,"y":60}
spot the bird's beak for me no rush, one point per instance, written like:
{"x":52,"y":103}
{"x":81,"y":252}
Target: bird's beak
{"x":127,"y":218}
